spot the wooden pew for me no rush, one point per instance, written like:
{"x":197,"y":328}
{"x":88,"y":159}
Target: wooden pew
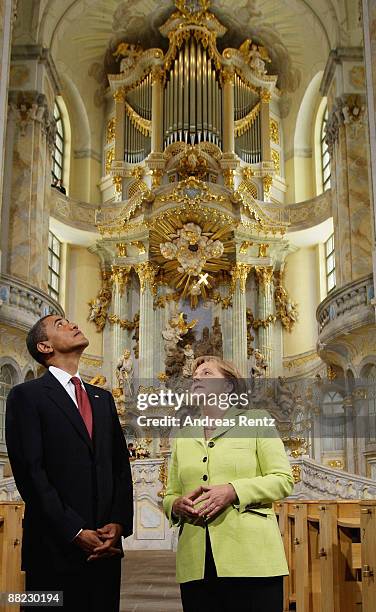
{"x":330,"y":547}
{"x":11,"y":577}
{"x":368,"y":553}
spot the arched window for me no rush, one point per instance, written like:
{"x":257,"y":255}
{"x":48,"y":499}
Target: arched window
{"x":332,"y":422}
{"x":58,"y":153}
{"x":7,"y":381}
{"x":325,"y":157}
{"x":371,"y":400}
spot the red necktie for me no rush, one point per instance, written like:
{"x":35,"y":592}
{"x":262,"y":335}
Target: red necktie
{"x":83,"y":404}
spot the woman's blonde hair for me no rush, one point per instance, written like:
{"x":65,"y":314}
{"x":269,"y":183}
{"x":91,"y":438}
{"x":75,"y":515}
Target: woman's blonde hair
{"x":228,"y":369}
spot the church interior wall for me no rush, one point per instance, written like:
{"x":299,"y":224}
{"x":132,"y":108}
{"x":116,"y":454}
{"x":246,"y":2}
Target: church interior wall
{"x":301,"y":282}
{"x":83,"y":282}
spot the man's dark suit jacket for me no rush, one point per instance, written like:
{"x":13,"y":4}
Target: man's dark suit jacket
{"x":68,"y":481}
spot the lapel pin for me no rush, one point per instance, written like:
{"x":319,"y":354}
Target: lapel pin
{"x":96,"y":395}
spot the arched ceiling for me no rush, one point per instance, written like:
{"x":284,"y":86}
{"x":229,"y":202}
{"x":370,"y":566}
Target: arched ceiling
{"x":82,"y":34}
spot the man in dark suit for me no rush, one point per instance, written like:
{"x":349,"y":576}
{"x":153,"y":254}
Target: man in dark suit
{"x":71,"y":466}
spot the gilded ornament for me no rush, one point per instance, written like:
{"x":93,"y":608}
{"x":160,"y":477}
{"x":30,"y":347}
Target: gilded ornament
{"x":245,"y":246}
{"x":110,"y":130}
{"x":118,"y":182}
{"x":286,"y":309}
{"x":157,"y":174}
{"x":296,"y":473}
{"x":121,"y":249}
{"x":274,"y":131}
{"x":243,"y":124}
{"x":120,"y":276}
{"x":91,"y":361}
{"x":229,"y":177}
{"x":331,"y":373}
{"x":100,"y":304}
{"x":264,"y":323}
{"x":277,"y":161}
{"x":138,"y":172}
{"x":119,"y":94}
{"x":193,"y":163}
{"x":264,"y":275}
{"x":110,"y":156}
{"x":146,"y":272}
{"x":265,"y":96}
{"x":267,"y":182}
{"x":98,"y":380}
{"x":239,"y":273}
{"x":263,"y":247}
{"x":141,"y":124}
{"x":139,"y":245}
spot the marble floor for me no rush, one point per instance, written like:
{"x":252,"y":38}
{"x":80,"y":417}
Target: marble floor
{"x":148,"y":582}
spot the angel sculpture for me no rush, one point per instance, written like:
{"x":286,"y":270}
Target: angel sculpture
{"x":124,"y":372}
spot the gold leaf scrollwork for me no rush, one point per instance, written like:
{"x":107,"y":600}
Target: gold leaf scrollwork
{"x":286,"y":309}
{"x":143,"y":125}
{"x":264,"y":275}
{"x":110,"y":130}
{"x":240,"y":273}
{"x":120,"y":277}
{"x":243,"y":124}
{"x":274,"y":131}
{"x":99,"y":305}
{"x":146,"y":272}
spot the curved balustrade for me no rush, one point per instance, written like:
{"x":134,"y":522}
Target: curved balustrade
{"x":21,"y":305}
{"x":317,"y":481}
{"x":346,"y":308}
{"x":82,"y":215}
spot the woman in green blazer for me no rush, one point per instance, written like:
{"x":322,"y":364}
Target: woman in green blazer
{"x":222,"y":481}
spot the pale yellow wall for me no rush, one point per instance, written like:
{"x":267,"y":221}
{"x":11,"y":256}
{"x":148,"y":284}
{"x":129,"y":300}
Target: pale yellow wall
{"x":299,"y":179}
{"x":83,"y":283}
{"x":290,"y":181}
{"x":302,"y":285}
{"x":304,"y":189}
{"x":85,"y":174}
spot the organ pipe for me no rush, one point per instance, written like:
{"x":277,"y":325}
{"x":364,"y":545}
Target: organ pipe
{"x":193,"y":96}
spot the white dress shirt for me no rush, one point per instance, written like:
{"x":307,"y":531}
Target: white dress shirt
{"x":64,"y":379}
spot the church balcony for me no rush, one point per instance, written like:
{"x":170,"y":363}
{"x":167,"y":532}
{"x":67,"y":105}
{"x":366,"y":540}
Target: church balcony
{"x":316,"y":481}
{"x":345,"y":309}
{"x":21,"y":305}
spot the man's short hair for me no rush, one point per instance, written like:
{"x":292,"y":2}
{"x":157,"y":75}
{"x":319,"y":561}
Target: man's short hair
{"x":37,"y":334}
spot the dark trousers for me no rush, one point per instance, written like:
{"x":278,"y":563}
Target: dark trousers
{"x":213,"y":594}
{"x":94,"y":589}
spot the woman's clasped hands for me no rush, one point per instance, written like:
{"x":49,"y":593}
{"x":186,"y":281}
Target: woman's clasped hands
{"x":213,"y":499}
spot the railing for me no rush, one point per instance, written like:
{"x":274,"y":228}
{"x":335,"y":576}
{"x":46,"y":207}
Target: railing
{"x":346,"y":308}
{"x":21,"y":305}
{"x":331,"y":553}
{"x":314,"y":480}
{"x":81,"y":215}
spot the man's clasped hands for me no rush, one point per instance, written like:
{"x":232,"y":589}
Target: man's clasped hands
{"x":100,"y":543}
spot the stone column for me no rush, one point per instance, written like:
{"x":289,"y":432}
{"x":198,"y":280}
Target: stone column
{"x":228,"y":111}
{"x":347,"y":138}
{"x":120,"y":279}
{"x":226,"y":321}
{"x":239,"y":318}
{"x":146,"y":272}
{"x":156,"y":111}
{"x":264,"y":276}
{"x":369,"y":38}
{"x":7,"y":14}
{"x":31,"y":134}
